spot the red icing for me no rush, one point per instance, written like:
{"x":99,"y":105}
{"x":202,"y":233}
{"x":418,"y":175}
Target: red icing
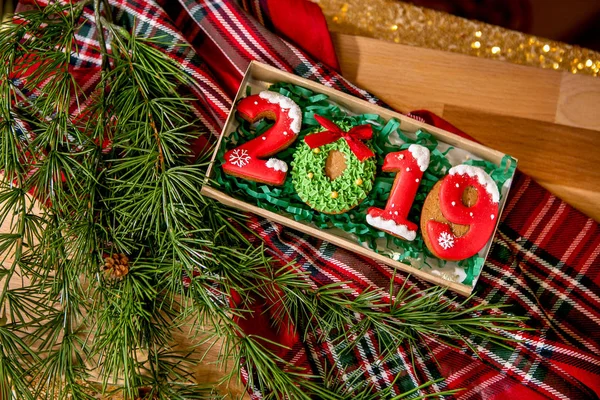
{"x":478,"y":217}
{"x":403,"y":192}
{"x":246,"y":161}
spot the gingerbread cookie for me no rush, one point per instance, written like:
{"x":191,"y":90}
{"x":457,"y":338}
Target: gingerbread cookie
{"x":460,"y":212}
{"x":251,"y":160}
{"x":333,"y":171}
{"x":409,"y":166}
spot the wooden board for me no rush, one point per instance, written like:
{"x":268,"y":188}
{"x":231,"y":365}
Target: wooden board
{"x":548,"y":120}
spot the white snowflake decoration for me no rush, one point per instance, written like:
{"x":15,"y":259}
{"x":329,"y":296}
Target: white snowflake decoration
{"x":239,"y":158}
{"x":446,"y":240}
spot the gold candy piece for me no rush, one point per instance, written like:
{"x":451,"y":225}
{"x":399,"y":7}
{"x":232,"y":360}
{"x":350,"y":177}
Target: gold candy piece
{"x":334,"y":195}
{"x":310,"y":175}
{"x":359,"y":182}
{"x":316,"y":150}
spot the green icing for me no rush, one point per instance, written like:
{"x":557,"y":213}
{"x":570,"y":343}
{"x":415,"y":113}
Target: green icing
{"x":285,"y":199}
{"x":316,"y":192}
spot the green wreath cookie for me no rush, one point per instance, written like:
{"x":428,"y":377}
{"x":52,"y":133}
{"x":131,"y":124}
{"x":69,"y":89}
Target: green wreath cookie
{"x":331,"y":178}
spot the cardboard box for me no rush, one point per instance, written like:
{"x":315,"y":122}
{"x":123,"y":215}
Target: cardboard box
{"x":259,"y":77}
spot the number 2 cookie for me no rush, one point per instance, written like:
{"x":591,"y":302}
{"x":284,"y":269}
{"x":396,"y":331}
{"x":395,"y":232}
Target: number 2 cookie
{"x":249,"y":160}
{"x":460,"y":212}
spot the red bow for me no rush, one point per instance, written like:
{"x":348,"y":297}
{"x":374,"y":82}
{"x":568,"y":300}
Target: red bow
{"x":353,"y":137}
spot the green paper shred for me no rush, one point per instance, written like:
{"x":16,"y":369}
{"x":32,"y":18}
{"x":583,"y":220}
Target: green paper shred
{"x":285,"y":199}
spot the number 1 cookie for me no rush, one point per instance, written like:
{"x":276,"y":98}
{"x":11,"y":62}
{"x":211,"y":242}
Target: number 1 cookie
{"x":409,"y":166}
{"x":248,"y":161}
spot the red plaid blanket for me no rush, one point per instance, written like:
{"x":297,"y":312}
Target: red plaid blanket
{"x":544,"y":261}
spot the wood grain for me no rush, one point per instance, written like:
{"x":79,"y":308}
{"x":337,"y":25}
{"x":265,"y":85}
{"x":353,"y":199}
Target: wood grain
{"x":548,"y":120}
{"x":410,"y":77}
{"x":579,"y":101}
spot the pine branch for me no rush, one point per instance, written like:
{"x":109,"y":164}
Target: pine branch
{"x":411,"y":317}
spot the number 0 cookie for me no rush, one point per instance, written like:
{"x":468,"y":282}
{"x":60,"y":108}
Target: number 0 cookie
{"x":333,"y":170}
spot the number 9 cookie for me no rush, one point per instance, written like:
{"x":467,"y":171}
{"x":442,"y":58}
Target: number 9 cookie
{"x":247,"y":160}
{"x":459,"y":214}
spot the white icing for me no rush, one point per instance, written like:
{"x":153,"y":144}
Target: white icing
{"x":417,"y":180}
{"x":421,"y":154}
{"x":277,"y":165}
{"x":391,"y":226}
{"x":401,"y":157}
{"x":482,"y":177}
{"x":264,"y":138}
{"x":239,"y":158}
{"x":453,"y":203}
{"x":492,"y":216}
{"x":446,"y":240}
{"x":286,"y":104}
{"x":407,"y":169}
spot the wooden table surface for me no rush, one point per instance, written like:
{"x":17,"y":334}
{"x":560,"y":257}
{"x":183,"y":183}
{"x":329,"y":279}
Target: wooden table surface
{"x":550,"y":121}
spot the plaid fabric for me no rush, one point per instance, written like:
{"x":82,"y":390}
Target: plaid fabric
{"x":544,"y":261}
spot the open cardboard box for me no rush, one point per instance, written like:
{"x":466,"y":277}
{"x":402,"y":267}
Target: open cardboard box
{"x":259,"y":77}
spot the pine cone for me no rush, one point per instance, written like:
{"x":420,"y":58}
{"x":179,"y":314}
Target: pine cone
{"x":116,"y":266}
{"x":144,"y":394}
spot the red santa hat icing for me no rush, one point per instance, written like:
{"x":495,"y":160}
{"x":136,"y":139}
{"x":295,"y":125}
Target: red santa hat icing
{"x":252,"y":160}
{"x":480,"y":217}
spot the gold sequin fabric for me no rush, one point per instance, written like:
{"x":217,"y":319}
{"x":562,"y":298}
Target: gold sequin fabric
{"x":408,"y":24}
